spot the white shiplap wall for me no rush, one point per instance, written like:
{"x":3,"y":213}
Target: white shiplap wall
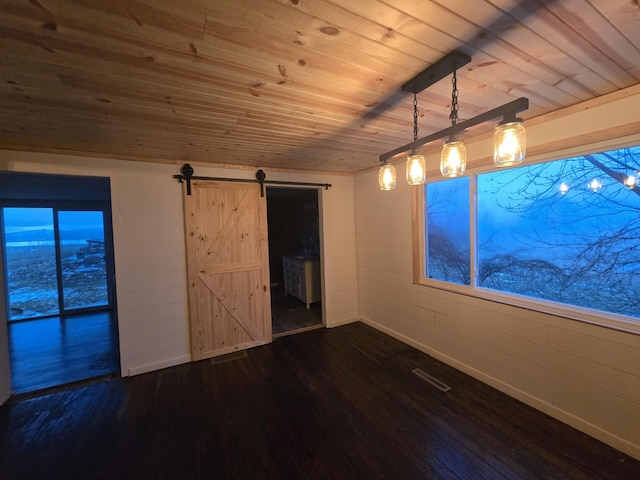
{"x":150,"y":263}
{"x":149,"y":250}
{"x":585,"y":375}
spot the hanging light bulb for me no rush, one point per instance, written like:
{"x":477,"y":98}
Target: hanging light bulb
{"x":453,"y":158}
{"x":416,"y":166}
{"x":387,"y":176}
{"x":416,"y":169}
{"x":509,"y":142}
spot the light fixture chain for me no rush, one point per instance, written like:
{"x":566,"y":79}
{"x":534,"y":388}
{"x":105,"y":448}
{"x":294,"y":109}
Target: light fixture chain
{"x":454,"y":100}
{"x":415,"y":117}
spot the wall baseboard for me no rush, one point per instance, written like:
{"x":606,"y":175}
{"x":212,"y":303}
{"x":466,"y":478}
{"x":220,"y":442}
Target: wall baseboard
{"x":150,"y":367}
{"x":564,"y":416}
{"x":343,"y":321}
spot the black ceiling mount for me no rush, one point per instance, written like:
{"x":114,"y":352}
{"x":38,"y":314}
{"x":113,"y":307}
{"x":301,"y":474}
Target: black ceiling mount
{"x":439,"y":70}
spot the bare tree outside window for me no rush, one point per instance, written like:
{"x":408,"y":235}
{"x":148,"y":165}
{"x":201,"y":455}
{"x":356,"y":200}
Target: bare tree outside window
{"x":565,"y":231}
{"x":448,"y":254}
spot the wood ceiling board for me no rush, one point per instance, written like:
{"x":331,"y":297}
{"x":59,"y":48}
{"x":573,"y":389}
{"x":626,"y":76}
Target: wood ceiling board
{"x":326,"y":62}
{"x":501,"y":54}
{"x":624,"y":15}
{"x":167,"y":105}
{"x":383,"y":26}
{"x":309,"y":84}
{"x":155,"y":63}
{"x":594,"y":41}
{"x":569,"y":44}
{"x":205,"y":108}
{"x":184,"y":18}
{"x":249,"y":137}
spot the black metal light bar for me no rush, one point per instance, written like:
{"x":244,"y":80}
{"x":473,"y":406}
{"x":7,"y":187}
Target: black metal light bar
{"x":507,"y":110}
{"x":187,"y":175}
{"x":442,"y":68}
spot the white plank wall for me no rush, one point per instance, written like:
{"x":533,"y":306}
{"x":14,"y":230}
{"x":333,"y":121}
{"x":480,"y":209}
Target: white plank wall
{"x":150,"y":267}
{"x":585,"y":375}
{"x":149,"y":249}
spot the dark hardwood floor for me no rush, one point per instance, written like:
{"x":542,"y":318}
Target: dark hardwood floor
{"x":336,"y":403}
{"x":47,"y":352}
{"x":288,"y":314}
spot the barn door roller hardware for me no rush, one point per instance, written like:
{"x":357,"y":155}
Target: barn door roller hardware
{"x":186,"y":175}
{"x":509,"y":137}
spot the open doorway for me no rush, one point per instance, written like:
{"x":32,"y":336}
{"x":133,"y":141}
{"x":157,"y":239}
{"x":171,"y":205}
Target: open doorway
{"x":58,"y":273}
{"x":294,"y":259}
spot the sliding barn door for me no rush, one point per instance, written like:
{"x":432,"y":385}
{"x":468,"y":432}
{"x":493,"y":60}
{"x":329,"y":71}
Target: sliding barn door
{"x":228,"y":268}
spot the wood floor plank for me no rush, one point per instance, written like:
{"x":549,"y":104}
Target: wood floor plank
{"x":337,"y":403}
{"x":290,"y":314}
{"x":46,"y":352}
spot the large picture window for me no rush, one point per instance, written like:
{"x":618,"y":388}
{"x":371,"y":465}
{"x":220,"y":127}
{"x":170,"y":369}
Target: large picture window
{"x":564,"y":232}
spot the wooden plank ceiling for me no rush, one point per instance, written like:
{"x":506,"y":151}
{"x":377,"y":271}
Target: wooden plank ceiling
{"x":294,"y":84}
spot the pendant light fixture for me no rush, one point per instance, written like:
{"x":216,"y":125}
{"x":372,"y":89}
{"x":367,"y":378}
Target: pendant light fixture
{"x":509,"y":142}
{"x":509,"y":135}
{"x":416,"y":167}
{"x":453,"y":159}
{"x":387,"y":176}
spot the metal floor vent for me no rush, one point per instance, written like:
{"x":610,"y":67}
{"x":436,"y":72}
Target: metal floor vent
{"x":433,"y":381}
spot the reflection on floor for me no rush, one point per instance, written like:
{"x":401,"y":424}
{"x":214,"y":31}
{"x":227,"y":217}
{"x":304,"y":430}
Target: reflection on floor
{"x":288,"y":314}
{"x":55,"y":351}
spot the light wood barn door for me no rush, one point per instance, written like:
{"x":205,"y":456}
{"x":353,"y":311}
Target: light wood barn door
{"x":228,"y":268}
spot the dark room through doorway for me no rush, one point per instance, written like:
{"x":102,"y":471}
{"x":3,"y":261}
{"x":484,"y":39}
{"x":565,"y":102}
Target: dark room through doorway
{"x":294,"y":259}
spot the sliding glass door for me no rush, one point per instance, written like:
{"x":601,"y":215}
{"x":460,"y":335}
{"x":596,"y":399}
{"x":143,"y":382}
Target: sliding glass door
{"x":30,"y":256}
{"x":83,"y":259}
{"x":56,"y":260}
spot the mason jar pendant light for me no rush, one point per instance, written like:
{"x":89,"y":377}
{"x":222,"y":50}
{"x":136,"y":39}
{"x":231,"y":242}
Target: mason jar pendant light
{"x":453,"y":159}
{"x":509,"y":136}
{"x":509,"y":141}
{"x":387,"y":176}
{"x":416,"y":167}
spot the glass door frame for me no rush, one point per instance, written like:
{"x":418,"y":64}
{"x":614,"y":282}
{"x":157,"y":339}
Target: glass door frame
{"x":63,"y":206}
